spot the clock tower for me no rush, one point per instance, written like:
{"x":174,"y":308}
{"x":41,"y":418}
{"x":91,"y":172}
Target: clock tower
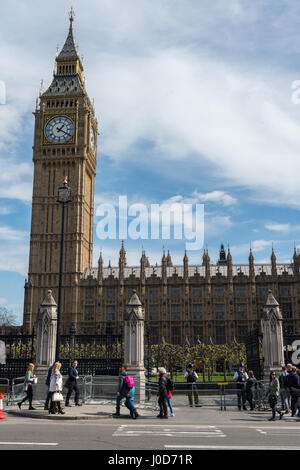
{"x":65,"y":145}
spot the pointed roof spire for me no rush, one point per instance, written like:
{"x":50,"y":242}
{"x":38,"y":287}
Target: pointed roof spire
{"x":69,"y":50}
{"x":222,"y":256}
{"x":169,"y":260}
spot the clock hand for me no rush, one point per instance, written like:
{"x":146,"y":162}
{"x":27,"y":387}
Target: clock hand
{"x":59,"y":130}
{"x":66,"y":133}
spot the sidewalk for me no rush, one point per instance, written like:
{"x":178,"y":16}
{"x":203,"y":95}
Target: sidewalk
{"x":102,"y":410}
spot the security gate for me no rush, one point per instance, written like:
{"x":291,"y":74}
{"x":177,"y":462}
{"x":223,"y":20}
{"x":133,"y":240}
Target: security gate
{"x":96,"y":354}
{"x":19,"y":352}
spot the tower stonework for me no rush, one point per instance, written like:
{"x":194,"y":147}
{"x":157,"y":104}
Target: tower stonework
{"x":65,"y":145}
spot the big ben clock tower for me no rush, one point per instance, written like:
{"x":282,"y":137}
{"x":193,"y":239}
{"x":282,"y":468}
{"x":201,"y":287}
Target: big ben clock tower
{"x":65,"y":145}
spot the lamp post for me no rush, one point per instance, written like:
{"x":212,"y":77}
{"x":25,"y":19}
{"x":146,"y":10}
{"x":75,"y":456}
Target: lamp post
{"x":64,"y":196}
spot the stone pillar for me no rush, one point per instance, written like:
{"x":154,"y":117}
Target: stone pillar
{"x":271,"y":327}
{"x":46,"y":333}
{"x":134,"y":319}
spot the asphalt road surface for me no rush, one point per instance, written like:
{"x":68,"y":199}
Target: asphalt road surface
{"x":190,"y":429}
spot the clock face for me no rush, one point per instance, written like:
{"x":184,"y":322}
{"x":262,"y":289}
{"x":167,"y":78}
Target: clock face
{"x":92,"y":139}
{"x":59,"y":129}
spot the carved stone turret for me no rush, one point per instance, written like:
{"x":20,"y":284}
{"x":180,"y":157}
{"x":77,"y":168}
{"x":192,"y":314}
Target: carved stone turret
{"x":46,"y":332}
{"x":134,"y":318}
{"x":271,"y":327}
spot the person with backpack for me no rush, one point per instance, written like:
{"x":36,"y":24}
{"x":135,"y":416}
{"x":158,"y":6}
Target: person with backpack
{"x":170,"y":388}
{"x":241,"y":378}
{"x":191,"y":378}
{"x":125,"y":390}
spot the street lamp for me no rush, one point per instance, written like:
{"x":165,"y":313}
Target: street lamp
{"x":64,"y":196}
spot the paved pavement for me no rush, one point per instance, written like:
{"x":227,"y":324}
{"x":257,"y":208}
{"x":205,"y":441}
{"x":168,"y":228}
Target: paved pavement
{"x":105,"y":409}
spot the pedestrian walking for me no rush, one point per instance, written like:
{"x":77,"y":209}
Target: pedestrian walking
{"x":191,"y":378}
{"x":170,"y":388}
{"x":273,"y":394}
{"x":162,"y":393}
{"x":56,"y":385}
{"x":285,"y":395}
{"x":250,"y":387}
{"x":73,"y":384}
{"x":48,"y":396}
{"x":126,"y":390}
{"x":292,"y":381}
{"x":30,"y":379}
{"x":241,"y":377}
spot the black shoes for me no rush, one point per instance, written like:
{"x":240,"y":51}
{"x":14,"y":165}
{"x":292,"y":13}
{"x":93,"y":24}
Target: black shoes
{"x":134,"y":414}
{"x":19,"y":405}
{"x":78,"y":404}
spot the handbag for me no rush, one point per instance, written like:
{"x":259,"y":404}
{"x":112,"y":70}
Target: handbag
{"x":57,"y":396}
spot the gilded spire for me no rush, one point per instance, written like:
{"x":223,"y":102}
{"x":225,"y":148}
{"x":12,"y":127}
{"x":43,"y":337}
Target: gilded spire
{"x":69,"y":50}
{"x":68,"y":73}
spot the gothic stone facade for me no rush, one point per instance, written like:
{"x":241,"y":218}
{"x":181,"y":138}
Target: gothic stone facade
{"x":220,"y":301}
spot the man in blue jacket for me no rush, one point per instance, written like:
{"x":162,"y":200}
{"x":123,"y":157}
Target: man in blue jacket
{"x":292,"y":381}
{"x":73,"y":380}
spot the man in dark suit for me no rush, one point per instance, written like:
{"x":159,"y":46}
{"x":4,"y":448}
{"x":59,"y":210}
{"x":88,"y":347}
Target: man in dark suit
{"x":73,"y":381}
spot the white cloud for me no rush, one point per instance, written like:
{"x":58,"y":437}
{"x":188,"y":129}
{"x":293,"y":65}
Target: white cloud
{"x":277,"y":227}
{"x":256,"y":246}
{"x":219,"y":197}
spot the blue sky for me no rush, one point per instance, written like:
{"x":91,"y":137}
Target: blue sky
{"x":193,"y":100}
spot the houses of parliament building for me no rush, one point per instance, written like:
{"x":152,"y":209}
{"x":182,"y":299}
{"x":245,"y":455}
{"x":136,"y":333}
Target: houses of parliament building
{"x":208,"y":302}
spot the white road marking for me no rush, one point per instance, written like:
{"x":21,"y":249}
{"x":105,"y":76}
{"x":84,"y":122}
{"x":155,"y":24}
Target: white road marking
{"x":217,"y":447}
{"x":29,"y":443}
{"x":173,"y":431}
{"x":279,"y":431}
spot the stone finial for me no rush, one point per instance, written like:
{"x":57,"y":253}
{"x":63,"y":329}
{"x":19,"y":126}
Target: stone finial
{"x":49,"y":300}
{"x":271,"y":301}
{"x":134,"y":300}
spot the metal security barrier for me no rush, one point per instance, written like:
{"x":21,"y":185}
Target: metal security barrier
{"x":229,"y":390}
{"x":87,"y":388}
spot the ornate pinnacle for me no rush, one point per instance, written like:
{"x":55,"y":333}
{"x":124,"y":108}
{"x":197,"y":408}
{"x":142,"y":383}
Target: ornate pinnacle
{"x":71,"y":15}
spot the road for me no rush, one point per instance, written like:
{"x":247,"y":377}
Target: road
{"x":190,"y":429}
